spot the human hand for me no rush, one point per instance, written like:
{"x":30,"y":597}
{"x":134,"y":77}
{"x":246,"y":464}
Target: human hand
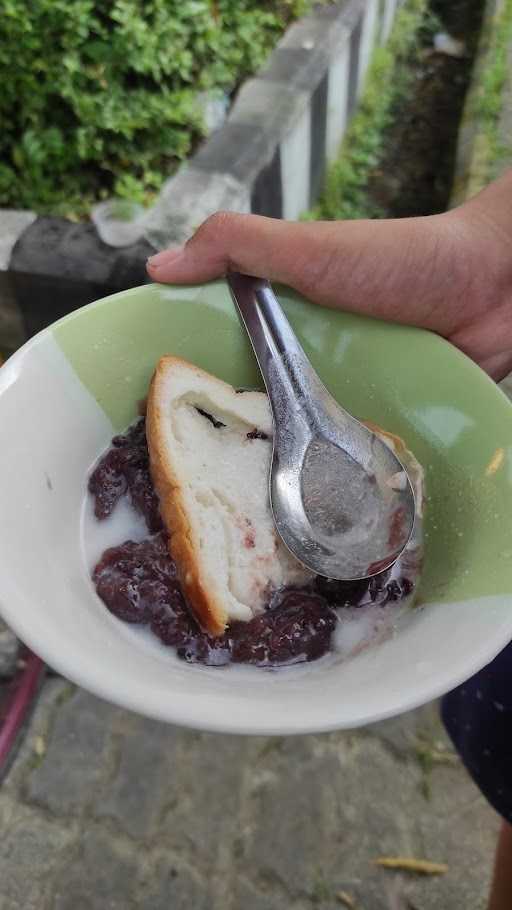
{"x":450,"y":273}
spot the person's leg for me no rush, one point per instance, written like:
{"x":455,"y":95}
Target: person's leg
{"x":501,"y":891}
{"x":478,"y":718}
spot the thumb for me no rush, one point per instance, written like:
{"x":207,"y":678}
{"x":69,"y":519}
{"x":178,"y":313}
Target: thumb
{"x":380,"y":268}
{"x":263,"y":247}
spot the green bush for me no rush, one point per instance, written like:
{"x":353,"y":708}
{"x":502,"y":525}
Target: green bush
{"x":100,"y":97}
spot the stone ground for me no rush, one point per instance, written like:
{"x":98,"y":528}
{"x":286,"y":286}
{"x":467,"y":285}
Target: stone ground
{"x":104,"y":810}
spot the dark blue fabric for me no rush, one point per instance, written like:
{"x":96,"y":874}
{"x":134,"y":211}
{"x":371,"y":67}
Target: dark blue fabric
{"x":478,"y":718}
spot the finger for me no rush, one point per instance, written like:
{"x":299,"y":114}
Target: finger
{"x":488,"y":338}
{"x":390,"y":268}
{"x":264,"y":247}
{"x":498,"y":366}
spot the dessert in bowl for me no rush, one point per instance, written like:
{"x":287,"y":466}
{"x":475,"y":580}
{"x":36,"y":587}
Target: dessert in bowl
{"x":79,"y":383}
{"x":207,"y":572}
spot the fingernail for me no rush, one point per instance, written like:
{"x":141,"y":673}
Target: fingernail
{"x":166,"y":257}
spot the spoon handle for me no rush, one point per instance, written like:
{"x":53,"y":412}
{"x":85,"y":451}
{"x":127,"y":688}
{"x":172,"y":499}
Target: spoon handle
{"x":291,"y":382}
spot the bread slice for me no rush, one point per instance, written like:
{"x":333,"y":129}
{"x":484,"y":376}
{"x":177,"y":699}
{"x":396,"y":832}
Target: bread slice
{"x":210,"y":449}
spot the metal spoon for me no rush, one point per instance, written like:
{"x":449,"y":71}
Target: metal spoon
{"x":342,"y":501}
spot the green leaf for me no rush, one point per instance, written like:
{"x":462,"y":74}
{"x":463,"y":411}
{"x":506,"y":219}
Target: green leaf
{"x":100,"y":96}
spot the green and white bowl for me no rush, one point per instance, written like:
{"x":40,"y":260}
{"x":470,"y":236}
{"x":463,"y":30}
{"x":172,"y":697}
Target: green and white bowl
{"x":64,"y":394}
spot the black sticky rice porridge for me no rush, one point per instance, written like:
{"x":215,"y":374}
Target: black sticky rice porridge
{"x":138,"y":582}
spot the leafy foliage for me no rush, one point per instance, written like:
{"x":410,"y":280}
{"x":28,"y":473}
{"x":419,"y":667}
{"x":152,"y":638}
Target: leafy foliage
{"x":489,"y":101}
{"x":100,"y":96}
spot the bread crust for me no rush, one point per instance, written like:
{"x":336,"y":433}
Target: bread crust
{"x":207,"y":608}
{"x":211,"y":615}
{"x":374,"y":427}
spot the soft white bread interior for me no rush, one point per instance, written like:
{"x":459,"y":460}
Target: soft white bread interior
{"x":210,"y":449}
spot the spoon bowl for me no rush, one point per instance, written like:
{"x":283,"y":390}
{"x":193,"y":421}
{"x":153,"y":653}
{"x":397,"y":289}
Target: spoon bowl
{"x":342,"y":501}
